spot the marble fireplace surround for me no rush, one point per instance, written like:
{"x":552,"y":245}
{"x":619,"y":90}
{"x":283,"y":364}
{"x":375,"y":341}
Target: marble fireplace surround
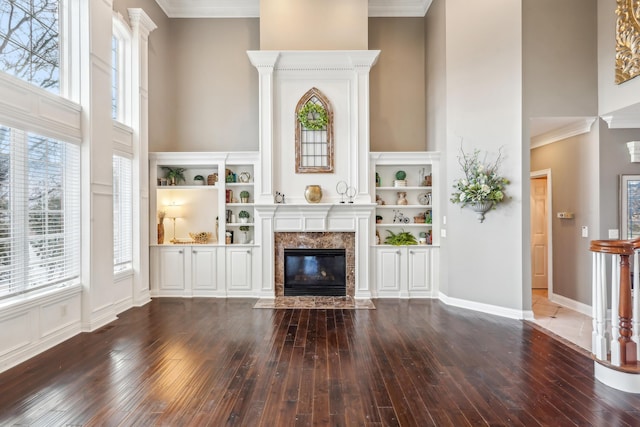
{"x":322,"y":240}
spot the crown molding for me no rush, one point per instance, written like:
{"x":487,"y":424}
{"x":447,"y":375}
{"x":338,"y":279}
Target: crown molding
{"x":251,"y":8}
{"x":622,"y":120}
{"x":210,"y":9}
{"x":578,"y":127}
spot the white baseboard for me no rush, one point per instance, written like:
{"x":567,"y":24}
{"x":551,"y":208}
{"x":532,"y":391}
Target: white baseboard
{"x":484,"y":308}
{"x":571,"y":304}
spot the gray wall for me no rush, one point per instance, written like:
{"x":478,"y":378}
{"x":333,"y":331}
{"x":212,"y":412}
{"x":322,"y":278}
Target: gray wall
{"x":574,"y":189}
{"x":216,"y":86}
{"x":560,"y":80}
{"x":397,"y":84}
{"x":614,"y":161}
{"x":560,"y":58}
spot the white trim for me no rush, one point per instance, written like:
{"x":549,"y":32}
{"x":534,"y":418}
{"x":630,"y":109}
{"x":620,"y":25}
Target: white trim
{"x":623,"y":381}
{"x":547,"y":173}
{"x":251,"y":8}
{"x":571,"y":304}
{"x":622,"y":120}
{"x":484,"y":308}
{"x":576,"y":128}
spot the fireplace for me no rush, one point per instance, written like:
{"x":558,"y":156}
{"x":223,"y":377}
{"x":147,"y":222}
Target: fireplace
{"x":315,"y":272}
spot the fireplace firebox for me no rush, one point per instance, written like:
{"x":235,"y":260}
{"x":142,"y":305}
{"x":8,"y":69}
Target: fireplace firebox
{"x":314,"y":272}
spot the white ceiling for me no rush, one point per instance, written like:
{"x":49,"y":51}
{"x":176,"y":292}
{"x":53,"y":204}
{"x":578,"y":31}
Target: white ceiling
{"x":251,"y":8}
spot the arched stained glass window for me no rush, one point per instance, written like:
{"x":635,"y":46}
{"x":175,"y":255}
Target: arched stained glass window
{"x":314,"y":133}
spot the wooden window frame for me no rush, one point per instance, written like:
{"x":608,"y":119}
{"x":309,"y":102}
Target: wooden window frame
{"x":314,"y":92}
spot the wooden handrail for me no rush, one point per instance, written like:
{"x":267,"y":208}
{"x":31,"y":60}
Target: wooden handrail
{"x":623,"y":248}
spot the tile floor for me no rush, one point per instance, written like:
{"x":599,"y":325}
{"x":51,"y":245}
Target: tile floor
{"x":315,"y":302}
{"x":564,"y":322}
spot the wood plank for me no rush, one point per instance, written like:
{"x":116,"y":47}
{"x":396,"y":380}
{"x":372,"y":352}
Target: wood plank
{"x":210,"y":362}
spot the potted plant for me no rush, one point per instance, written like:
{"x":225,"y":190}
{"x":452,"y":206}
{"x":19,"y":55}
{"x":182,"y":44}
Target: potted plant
{"x":401,"y":179}
{"x":244,"y":196}
{"x":482,"y":187}
{"x":400,"y":239}
{"x":198,"y":180}
{"x":244,"y":234}
{"x":174,"y":175}
{"x":244,"y":216}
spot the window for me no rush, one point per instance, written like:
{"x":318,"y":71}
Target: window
{"x":122,"y":214}
{"x":115,"y":77}
{"x":39,"y":212}
{"x":120,"y":71}
{"x":29,"y":41}
{"x":314,"y":133}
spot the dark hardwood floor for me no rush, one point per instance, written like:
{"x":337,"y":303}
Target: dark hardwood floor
{"x":211,"y":362}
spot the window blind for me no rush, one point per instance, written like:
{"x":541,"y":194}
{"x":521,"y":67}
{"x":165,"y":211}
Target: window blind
{"x":122,"y":213}
{"x":39,"y":212}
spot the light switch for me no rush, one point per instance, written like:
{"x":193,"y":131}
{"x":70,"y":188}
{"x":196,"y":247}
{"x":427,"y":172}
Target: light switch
{"x":444,"y":220}
{"x":585,"y":231}
{"x":443,"y":232}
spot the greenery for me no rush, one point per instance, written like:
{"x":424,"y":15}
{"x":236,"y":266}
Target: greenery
{"x":481,"y":183}
{"x":244,"y":194}
{"x":313,"y":116}
{"x":400,"y":175}
{"x":244,"y":228}
{"x":401,"y":238}
{"x":174,"y":174}
{"x":243,"y":214}
{"x":198,"y":178}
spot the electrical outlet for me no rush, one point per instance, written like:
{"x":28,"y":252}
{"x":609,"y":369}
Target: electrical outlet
{"x":585,"y":231}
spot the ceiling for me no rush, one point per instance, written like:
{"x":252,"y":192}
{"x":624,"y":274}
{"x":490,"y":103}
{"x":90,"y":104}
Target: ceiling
{"x":251,"y":8}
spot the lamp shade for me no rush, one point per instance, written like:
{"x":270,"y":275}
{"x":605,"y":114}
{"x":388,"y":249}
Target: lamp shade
{"x":173,"y":211}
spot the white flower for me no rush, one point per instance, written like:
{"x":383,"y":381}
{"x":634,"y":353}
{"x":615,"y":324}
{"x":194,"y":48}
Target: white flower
{"x":462,"y":197}
{"x":485,"y":189}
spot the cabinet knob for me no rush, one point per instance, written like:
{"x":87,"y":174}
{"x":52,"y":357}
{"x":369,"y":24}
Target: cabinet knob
{"x":180,"y":251}
{"x":398,"y":251}
{"x":411,"y":252}
{"x":194,"y":251}
{"x":249,"y":251}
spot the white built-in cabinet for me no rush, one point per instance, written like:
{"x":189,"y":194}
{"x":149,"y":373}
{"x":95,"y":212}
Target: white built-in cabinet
{"x":406,"y":271}
{"x":224,"y":265}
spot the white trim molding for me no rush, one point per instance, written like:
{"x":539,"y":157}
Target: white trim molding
{"x":484,"y":308}
{"x":578,"y":127}
{"x":251,"y":8}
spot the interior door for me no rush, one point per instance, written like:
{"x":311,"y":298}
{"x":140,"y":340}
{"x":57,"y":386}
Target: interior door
{"x":539,"y":238}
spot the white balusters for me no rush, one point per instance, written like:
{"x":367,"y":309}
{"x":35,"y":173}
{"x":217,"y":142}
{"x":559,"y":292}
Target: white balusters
{"x":599,"y":341}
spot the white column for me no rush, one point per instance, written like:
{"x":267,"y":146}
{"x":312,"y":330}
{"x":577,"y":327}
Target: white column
{"x":142,"y":26}
{"x":264,"y":224}
{"x":95,"y":20}
{"x":265,"y":64}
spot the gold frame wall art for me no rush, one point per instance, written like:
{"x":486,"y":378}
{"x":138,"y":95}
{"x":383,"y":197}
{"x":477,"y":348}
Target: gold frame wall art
{"x":627,"y":40}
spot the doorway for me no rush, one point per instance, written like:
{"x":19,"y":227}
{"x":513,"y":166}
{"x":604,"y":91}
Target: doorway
{"x":541,"y":237}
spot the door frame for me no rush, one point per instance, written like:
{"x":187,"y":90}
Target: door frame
{"x":540,"y":174}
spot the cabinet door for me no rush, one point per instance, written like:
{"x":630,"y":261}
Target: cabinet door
{"x":204,"y":269}
{"x":388,"y":269}
{"x":419,"y":269}
{"x":239,"y":266}
{"x":171,"y":268}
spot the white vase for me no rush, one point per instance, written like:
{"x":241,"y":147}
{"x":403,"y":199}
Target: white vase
{"x":480,"y":208}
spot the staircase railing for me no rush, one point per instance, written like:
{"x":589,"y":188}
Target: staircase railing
{"x":615,"y":337}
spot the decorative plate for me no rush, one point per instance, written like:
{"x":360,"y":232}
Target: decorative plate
{"x":244,"y":177}
{"x":424,"y":198}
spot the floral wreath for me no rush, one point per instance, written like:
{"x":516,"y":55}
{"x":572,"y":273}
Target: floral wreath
{"x":318,"y":115}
